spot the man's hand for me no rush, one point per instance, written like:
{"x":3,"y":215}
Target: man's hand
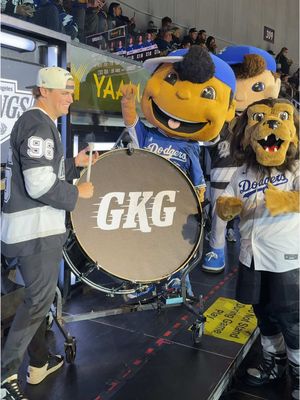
{"x":85,"y":190}
{"x":82,"y":158}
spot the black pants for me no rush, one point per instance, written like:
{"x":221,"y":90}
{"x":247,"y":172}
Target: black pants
{"x":40,"y":275}
{"x":275,"y":300}
{"x":271,"y":323}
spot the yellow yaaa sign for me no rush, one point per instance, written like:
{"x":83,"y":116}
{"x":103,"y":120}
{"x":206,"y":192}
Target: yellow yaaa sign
{"x":107,"y":88}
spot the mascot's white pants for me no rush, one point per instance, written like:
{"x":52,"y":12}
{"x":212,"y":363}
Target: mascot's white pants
{"x":218,"y":226}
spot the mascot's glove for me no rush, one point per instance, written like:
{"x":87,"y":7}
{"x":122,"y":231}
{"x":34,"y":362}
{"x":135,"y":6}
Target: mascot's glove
{"x":279,"y":201}
{"x":228,"y":207}
{"x":128,"y":104}
{"x":201,"y":192}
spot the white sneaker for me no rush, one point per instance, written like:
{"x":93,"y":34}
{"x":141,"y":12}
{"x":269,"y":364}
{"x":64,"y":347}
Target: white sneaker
{"x":36,"y":375}
{"x":230,"y":235}
{"x":11,"y":390}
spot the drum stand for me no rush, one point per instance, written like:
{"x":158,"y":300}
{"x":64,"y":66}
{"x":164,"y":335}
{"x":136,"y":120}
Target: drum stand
{"x":159,"y":303}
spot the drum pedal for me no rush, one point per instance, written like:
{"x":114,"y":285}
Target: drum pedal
{"x":177,"y":299}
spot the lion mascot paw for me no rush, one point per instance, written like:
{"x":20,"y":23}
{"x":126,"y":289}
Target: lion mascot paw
{"x":280,"y":202}
{"x":228,"y":207}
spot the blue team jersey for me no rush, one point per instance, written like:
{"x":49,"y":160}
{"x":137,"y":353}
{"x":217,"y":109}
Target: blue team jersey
{"x":185,"y":154}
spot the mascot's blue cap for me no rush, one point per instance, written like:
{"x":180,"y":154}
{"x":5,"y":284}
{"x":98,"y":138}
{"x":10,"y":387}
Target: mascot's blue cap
{"x":235,"y":55}
{"x":222,"y":70}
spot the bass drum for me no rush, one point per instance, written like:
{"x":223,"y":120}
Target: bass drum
{"x":142,"y":225}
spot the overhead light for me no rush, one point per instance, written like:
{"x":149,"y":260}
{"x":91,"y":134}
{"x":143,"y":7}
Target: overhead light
{"x":16,"y":42}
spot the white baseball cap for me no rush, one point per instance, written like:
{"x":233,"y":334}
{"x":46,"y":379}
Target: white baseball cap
{"x":54,"y":78}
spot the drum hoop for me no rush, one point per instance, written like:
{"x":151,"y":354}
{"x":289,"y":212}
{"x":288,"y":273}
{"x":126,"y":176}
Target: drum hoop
{"x":196,"y":245}
{"x":89,"y":282}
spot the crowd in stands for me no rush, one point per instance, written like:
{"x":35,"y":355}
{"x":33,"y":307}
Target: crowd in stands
{"x":289,"y":83}
{"x":81,"y":19}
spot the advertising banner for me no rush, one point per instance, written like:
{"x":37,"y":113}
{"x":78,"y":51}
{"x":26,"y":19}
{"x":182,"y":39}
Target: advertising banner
{"x":14,"y":97}
{"x":118,"y":41}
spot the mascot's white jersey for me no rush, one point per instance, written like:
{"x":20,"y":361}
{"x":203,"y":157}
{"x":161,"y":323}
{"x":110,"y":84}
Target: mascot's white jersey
{"x":272,"y":241}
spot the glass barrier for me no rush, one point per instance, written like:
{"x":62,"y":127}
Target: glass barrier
{"x":99,"y":79}
{"x":96,"y":114}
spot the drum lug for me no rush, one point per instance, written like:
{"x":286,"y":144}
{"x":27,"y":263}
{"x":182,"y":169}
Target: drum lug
{"x":130,"y":149}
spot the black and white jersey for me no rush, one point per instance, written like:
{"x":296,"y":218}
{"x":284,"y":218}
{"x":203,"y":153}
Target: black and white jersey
{"x":223,"y":165}
{"x":36,"y":193}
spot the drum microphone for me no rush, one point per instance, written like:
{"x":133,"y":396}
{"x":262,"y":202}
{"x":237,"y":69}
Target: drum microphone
{"x":127,"y":142}
{"x":126,"y":139}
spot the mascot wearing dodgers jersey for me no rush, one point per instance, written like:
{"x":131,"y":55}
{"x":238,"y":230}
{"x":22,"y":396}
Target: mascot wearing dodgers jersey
{"x":187,"y":99}
{"x":256,"y":79}
{"x":264,"y":192}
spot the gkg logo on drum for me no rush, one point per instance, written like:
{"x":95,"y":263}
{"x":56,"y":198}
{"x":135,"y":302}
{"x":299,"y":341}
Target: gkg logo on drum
{"x":136,"y":210}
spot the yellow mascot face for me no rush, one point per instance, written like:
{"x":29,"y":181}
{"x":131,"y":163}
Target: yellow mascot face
{"x":182,"y":109}
{"x":270,"y":131}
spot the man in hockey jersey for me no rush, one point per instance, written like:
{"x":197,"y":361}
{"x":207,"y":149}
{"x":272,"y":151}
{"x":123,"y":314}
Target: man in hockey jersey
{"x":187,"y":99}
{"x":36,"y":199}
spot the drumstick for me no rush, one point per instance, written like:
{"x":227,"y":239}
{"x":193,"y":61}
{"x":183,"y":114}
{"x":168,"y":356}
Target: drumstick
{"x":88,"y":175}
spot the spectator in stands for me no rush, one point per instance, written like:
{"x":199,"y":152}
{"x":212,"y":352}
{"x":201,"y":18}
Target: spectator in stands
{"x":152,"y":26}
{"x":294,"y":81}
{"x":130,"y":22}
{"x":68,"y":25}
{"x":192,"y":36}
{"x":91,"y":22}
{"x":201,"y":38}
{"x":176,"y":33}
{"x":283,"y":61}
{"x":211,"y":44}
{"x":40,"y":12}
{"x":87,"y":22}
{"x":186,"y":43}
{"x":47,"y":15}
{"x":166,"y":24}
{"x":164,"y":43}
{"x":102,"y":16}
{"x":286,"y":89}
{"x":24,"y":11}
{"x":115,"y":18}
{"x":113,"y":15}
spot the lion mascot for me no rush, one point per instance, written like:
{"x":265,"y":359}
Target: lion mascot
{"x":187,"y":99}
{"x":256,"y":79}
{"x":264,"y":192}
